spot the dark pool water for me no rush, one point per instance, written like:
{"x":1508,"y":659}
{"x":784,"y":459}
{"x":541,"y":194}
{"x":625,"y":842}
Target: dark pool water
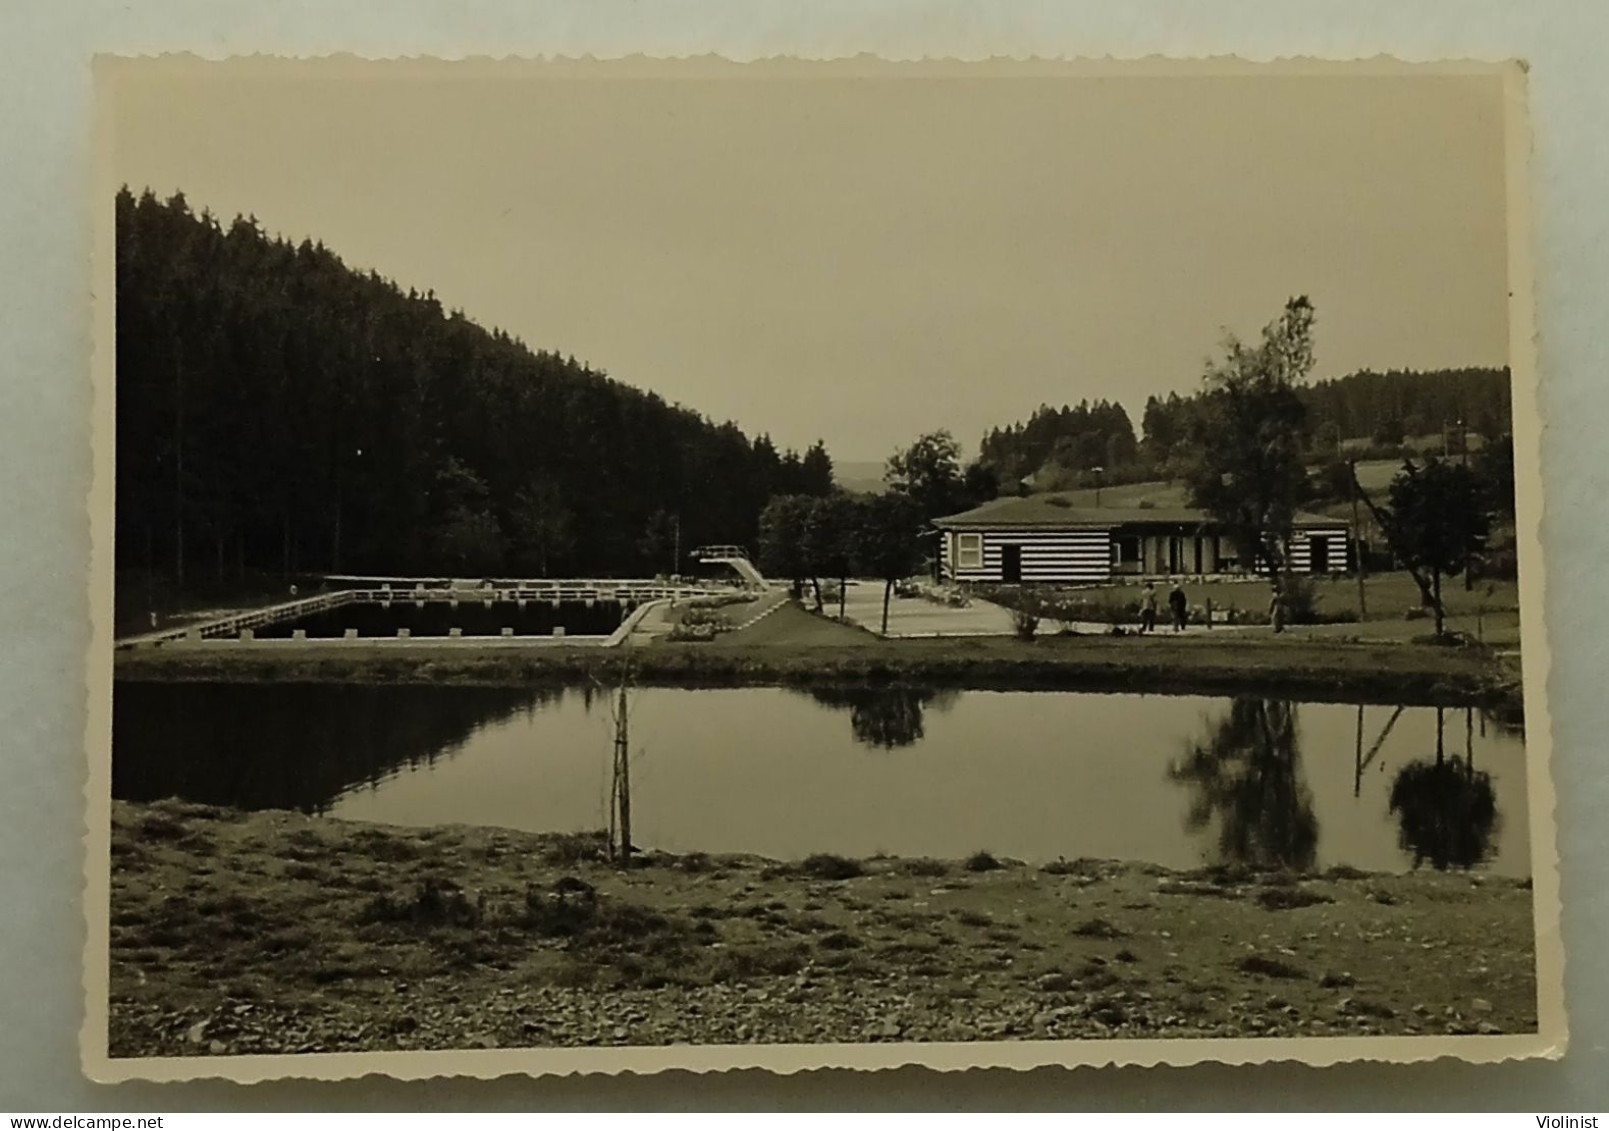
{"x":1174,"y":780}
{"x":471,"y":618}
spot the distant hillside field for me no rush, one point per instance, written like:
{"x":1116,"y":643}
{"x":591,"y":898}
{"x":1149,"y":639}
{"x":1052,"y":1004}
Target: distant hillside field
{"x":861,"y":476}
{"x":1374,"y":476}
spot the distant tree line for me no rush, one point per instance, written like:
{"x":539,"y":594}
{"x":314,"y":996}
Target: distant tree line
{"x":1077,"y":438}
{"x":1382,"y":410}
{"x":1389,"y":408}
{"x":278,"y":411}
{"x":1061,"y":448}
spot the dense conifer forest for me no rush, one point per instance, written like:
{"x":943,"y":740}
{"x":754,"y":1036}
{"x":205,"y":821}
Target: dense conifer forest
{"x":1380,"y":411}
{"x":280,"y":413}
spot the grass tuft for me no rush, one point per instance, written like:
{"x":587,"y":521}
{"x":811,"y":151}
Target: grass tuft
{"x":1269,"y":967}
{"x":826,"y":866}
{"x":1099,"y":929}
{"x":1287,"y":899}
{"x":983,"y":862}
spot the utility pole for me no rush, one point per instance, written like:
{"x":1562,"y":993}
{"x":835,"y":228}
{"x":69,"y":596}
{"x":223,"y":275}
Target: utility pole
{"x":1357,"y":543}
{"x":676,"y":565}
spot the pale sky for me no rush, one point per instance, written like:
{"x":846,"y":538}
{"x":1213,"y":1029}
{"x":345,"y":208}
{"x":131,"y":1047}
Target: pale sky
{"x":865,"y":259}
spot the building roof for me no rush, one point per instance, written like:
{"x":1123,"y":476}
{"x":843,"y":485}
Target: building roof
{"x":1039,"y":511}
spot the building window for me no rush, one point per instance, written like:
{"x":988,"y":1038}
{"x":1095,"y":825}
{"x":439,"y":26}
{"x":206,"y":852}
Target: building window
{"x":1126,"y":556}
{"x":969,"y":551}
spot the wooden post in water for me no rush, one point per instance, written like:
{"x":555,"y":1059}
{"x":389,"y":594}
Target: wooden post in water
{"x":622,"y":776}
{"x":1469,"y":741}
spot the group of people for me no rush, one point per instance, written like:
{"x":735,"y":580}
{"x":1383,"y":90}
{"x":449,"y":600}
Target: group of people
{"x":1178,"y":607}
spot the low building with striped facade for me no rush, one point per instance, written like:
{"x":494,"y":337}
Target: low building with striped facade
{"x":1045,"y":541}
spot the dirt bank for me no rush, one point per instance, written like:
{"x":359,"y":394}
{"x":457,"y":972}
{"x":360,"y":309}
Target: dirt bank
{"x":275,"y":932}
{"x":1295,"y":667}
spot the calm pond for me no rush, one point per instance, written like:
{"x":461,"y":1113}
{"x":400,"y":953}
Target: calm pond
{"x":1173,"y":780}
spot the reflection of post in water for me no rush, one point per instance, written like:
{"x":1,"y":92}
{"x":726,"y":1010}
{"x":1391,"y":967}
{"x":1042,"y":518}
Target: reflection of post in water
{"x":1246,"y":774}
{"x":1357,"y":758}
{"x":885,"y":717}
{"x":1362,"y":760}
{"x":1446,"y":810}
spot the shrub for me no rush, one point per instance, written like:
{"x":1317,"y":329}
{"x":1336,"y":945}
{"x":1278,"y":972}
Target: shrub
{"x":1285,"y":899}
{"x":1060,"y":607}
{"x":1269,"y":967}
{"x":434,"y":903}
{"x":569,"y":849}
{"x":983,"y":862}
{"x":1099,"y":929}
{"x":380,"y":845}
{"x":838,"y":940}
{"x":1024,"y":624}
{"x":825,"y":866}
{"x":1079,"y":867}
{"x":760,"y":962}
{"x":1300,"y":600}
{"x":696,"y":862}
{"x":1302,"y":604}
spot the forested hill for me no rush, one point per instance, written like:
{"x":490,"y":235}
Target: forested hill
{"x":1387,"y":407}
{"x":1378,"y":410}
{"x":278,"y":411}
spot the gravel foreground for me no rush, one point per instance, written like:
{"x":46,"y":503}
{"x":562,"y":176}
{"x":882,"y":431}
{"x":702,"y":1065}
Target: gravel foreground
{"x":273,"y":932}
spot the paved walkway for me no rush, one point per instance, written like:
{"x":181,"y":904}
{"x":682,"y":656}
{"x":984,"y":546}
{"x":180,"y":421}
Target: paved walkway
{"x":917,"y":616}
{"x":658,"y":619}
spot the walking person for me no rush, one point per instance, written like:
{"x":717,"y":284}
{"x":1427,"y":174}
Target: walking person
{"x":1179,"y":605}
{"x":1148,"y":608}
{"x":1276,"y":609}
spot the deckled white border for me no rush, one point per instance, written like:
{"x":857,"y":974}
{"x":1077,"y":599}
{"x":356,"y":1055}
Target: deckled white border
{"x":1549,"y":1041}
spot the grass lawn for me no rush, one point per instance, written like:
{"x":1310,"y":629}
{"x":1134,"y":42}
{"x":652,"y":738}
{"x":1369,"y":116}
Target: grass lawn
{"x":791,"y":624}
{"x":1491,"y":606}
{"x":1374,"y":476}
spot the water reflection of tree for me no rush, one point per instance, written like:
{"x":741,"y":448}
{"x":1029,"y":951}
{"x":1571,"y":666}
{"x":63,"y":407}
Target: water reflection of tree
{"x":290,"y":746}
{"x":1246,"y":774}
{"x":1446,"y":810}
{"x":885,"y":717}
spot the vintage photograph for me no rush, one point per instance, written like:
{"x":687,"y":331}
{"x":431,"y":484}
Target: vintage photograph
{"x":666,"y":563}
